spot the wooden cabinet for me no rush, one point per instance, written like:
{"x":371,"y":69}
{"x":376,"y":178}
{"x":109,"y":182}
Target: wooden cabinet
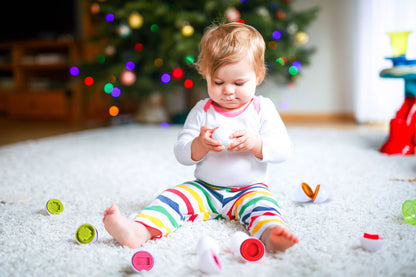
{"x":35,"y":82}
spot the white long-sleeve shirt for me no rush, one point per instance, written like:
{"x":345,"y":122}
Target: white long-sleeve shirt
{"x":235,"y":169}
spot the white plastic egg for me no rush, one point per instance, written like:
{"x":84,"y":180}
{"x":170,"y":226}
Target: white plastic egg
{"x":304,"y":193}
{"x":371,"y":242}
{"x":209,"y":261}
{"x":223,"y":135}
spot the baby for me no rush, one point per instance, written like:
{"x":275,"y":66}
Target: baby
{"x":230,"y":180}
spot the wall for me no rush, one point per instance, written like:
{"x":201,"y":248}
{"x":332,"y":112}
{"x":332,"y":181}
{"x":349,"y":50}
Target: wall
{"x":326,"y":85}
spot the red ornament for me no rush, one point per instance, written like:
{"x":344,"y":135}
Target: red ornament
{"x":177,"y":73}
{"x":188,"y":84}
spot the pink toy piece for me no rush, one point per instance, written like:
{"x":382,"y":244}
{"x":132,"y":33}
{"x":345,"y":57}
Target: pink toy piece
{"x":209,"y":261}
{"x":142,"y":260}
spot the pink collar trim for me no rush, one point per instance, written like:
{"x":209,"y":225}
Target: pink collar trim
{"x":255,"y":101}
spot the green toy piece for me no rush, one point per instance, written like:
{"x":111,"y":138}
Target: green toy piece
{"x":86,"y":233}
{"x":409,"y":211}
{"x":54,"y":206}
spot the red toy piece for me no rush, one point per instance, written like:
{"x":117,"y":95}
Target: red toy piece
{"x":402,"y":139}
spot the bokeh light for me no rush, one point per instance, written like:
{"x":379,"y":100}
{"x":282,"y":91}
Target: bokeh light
{"x":276,"y":34}
{"x":113,"y":110}
{"x":128,"y":77}
{"x":135,"y":20}
{"x":154,"y":28}
{"x":158,"y":62}
{"x":138,"y":47}
{"x":130,"y":65}
{"x":108,"y":88}
{"x":282,"y":61}
{"x":241,"y":21}
{"x":189,"y":59}
{"x":188,"y":84}
{"x":297,"y":64}
{"x":74,"y":71}
{"x":177,"y":73}
{"x":109,"y":17}
{"x":88,"y":81}
{"x":115,"y":92}
{"x":164,"y":125}
{"x":165,"y":78}
{"x":187,"y":30}
{"x":293,"y":70}
{"x":101,"y":59}
{"x":272,"y":45}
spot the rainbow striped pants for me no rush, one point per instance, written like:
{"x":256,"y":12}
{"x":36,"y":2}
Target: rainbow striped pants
{"x":254,"y":206}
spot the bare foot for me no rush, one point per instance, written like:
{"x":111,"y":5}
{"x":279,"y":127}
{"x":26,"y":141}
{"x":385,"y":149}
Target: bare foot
{"x":126,"y":231}
{"x":277,"y":238}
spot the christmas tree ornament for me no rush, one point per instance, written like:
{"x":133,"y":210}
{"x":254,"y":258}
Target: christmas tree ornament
{"x":187,"y":30}
{"x":127,"y":77}
{"x":232,"y":14}
{"x":135,"y":20}
{"x":301,"y":37}
{"x":88,"y":81}
{"x":124,"y":30}
{"x":189,"y":59}
{"x":154,"y":28}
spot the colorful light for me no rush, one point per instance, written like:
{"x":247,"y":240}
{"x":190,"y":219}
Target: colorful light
{"x":109,"y":17}
{"x":277,"y":34}
{"x":128,"y":77}
{"x":108,"y":88}
{"x":101,"y":59}
{"x":154,"y":28}
{"x":158,"y":62}
{"x":165,"y":78}
{"x":272,"y":44}
{"x":115,"y":92}
{"x":187,"y":30}
{"x":293,"y":70}
{"x":177,"y":73}
{"x":164,"y":125}
{"x":88,"y":81}
{"x":135,"y":20}
{"x":297,"y":64}
{"x":130,"y":65}
{"x":189,"y":59}
{"x":138,"y":47}
{"x":282,"y":61}
{"x":241,"y":21}
{"x":74,"y":71}
{"x":188,"y":84}
{"x":124,"y":30}
{"x":113,"y":110}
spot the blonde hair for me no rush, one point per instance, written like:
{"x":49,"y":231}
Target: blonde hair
{"x":229,"y":43}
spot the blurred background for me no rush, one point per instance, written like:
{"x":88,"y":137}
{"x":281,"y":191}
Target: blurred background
{"x":73,"y":65}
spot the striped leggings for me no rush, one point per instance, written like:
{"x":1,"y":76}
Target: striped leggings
{"x":254,"y":206}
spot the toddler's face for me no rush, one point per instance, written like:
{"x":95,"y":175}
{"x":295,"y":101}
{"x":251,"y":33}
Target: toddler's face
{"x":233,"y":85}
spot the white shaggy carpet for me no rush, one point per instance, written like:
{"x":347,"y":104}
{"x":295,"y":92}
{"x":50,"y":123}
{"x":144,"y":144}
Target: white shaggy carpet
{"x":129,"y":165}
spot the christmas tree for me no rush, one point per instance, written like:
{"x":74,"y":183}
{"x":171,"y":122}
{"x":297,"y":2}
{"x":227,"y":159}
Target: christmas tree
{"x":152,"y":45}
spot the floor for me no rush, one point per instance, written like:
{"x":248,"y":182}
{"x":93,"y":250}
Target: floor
{"x":12,"y":131}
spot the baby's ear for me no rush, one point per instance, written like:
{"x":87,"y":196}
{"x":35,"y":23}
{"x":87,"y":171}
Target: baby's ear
{"x":259,"y":79}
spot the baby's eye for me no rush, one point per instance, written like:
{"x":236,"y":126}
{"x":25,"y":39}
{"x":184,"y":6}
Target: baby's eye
{"x":219,"y":83}
{"x":239,"y":84}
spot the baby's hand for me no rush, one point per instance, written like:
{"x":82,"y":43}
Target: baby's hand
{"x":246,"y":141}
{"x":206,"y":140}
